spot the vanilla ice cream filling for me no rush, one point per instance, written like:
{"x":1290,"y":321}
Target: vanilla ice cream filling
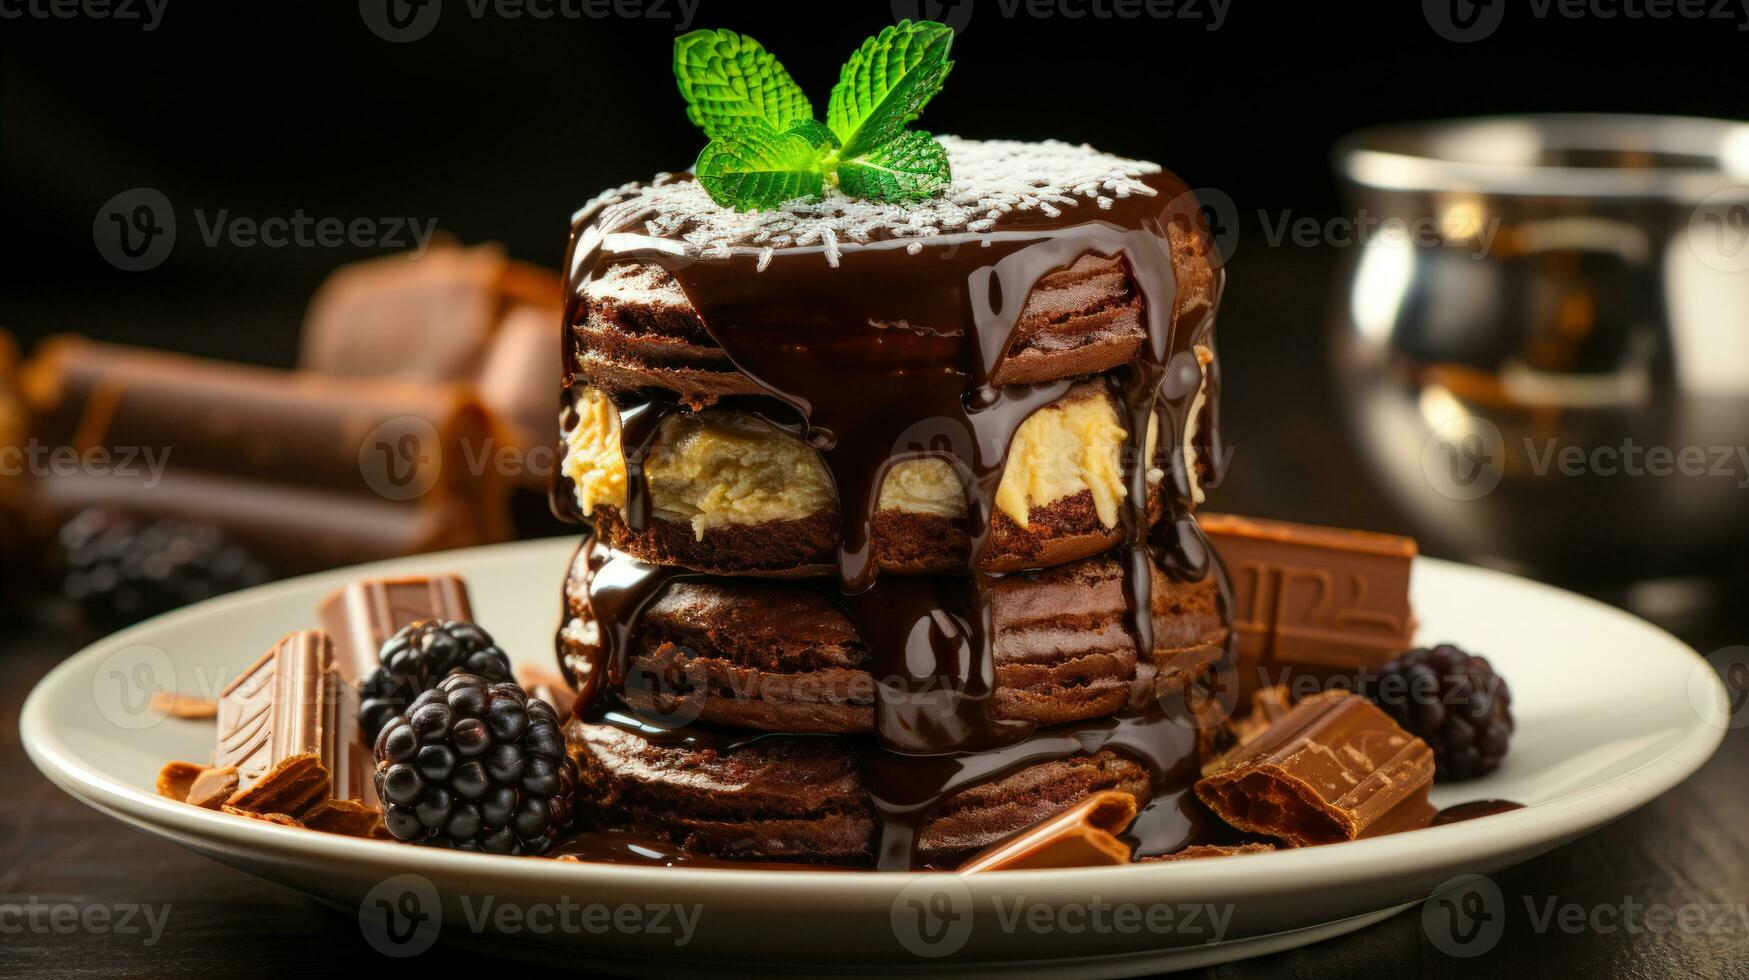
{"x":718,"y":467}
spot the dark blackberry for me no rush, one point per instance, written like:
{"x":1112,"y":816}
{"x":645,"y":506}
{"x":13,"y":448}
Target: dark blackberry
{"x":120,"y":570}
{"x":416,"y":658}
{"x":1453,"y":701}
{"x":477,"y":766}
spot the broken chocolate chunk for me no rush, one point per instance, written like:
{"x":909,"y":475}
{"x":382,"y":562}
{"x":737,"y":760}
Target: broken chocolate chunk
{"x":1333,"y":768}
{"x":1085,"y":835}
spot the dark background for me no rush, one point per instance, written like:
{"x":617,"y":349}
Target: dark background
{"x":498,"y":127}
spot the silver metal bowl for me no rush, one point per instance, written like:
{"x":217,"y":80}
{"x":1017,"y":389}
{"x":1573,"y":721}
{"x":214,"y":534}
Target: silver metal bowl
{"x":1544,"y":342}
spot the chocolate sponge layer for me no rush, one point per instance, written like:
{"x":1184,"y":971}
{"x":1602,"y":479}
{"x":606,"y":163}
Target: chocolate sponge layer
{"x":784,"y":657}
{"x":637,"y":330}
{"x":802,"y":800}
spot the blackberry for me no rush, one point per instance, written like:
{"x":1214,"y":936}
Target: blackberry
{"x":1453,"y":701}
{"x":478,"y":766}
{"x":416,"y":658}
{"x":120,"y":570}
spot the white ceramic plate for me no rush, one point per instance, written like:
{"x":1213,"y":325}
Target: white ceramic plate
{"x":1611,"y":712}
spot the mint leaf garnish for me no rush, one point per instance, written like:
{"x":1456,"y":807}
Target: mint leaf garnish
{"x":886,"y":83}
{"x":766,"y":146}
{"x":909,"y":168}
{"x":751,"y":167}
{"x":729,"y":79}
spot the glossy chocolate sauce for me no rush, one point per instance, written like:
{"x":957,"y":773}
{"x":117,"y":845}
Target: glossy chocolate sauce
{"x":615,"y":847}
{"x":888,"y":355}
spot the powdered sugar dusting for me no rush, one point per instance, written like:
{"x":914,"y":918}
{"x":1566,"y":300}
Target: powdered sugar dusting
{"x":991,"y":178}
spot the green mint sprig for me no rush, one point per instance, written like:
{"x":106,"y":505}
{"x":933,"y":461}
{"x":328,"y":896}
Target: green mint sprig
{"x":766,"y":146}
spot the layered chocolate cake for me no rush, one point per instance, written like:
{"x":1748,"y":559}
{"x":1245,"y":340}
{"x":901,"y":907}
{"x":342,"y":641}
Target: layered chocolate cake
{"x":889,"y":448}
{"x":892,"y":550}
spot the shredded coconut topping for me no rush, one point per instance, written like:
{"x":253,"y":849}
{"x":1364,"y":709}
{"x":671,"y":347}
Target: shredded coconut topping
{"x":991,"y":178}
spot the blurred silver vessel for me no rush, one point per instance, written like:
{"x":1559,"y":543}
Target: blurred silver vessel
{"x":1544,"y":341}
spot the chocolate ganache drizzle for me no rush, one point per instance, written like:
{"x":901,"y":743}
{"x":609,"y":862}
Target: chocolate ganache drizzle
{"x":891,"y":349}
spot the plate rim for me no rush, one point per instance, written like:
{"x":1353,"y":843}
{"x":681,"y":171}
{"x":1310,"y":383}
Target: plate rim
{"x":1426,"y":850}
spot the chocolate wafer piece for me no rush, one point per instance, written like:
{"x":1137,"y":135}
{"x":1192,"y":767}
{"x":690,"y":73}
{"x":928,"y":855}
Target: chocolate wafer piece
{"x":1312,"y":603}
{"x":1334,"y":768}
{"x":430,"y":316}
{"x":308,"y":471}
{"x":293,"y":702}
{"x":1085,"y":835}
{"x":360,"y":617}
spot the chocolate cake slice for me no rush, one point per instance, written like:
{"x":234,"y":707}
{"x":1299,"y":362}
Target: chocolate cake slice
{"x":893,"y":550}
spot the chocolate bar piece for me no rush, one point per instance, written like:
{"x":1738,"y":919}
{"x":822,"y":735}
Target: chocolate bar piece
{"x":431,"y":317}
{"x":1312,"y":603}
{"x":453,"y":314}
{"x":307,"y":471}
{"x":1333,"y":768}
{"x":361,"y":616}
{"x":289,"y":703}
{"x":1085,"y":835}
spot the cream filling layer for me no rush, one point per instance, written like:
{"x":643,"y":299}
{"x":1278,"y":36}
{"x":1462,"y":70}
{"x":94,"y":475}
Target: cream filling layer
{"x":718,"y":467}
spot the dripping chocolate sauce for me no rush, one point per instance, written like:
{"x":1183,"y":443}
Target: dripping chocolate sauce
{"x":915,"y":372}
{"x":1473,"y":810}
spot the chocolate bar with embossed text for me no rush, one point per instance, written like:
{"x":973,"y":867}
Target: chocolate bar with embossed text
{"x":362,"y":615}
{"x":293,"y":701}
{"x":1311,"y":604}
